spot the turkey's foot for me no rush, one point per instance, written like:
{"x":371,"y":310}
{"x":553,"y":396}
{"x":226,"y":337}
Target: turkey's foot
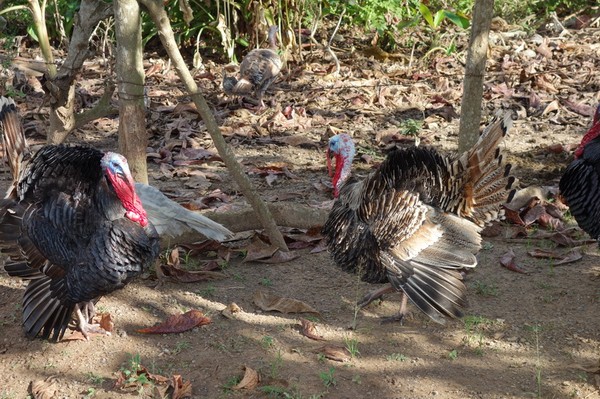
{"x":374,"y":295}
{"x":83,"y":323}
{"x":398,"y":317}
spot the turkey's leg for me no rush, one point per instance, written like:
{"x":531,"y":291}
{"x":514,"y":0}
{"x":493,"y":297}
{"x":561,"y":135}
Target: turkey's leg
{"x":83,"y":311}
{"x":398,"y":317}
{"x":373,"y":295}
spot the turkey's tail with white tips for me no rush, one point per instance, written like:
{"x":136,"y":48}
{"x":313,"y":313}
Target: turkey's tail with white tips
{"x":486,"y":180}
{"x":14,"y":143}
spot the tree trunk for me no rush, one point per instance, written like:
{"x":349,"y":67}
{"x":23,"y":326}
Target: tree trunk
{"x":62,"y":90}
{"x":470,"y":109}
{"x":130,"y":86}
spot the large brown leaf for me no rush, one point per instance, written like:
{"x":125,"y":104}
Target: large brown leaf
{"x":250,"y":380}
{"x":508,"y":260}
{"x":178,"y":323}
{"x":559,"y":258}
{"x":176,"y":274}
{"x":309,"y":330}
{"x":335,"y":352}
{"x":268,"y":301}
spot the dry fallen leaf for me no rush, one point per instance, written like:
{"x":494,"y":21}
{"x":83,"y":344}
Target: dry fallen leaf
{"x":268,"y":301}
{"x":508,"y":260}
{"x":559,"y":258}
{"x":513,"y":217}
{"x":173,"y":257}
{"x":532,"y":214}
{"x":231,"y":310}
{"x":176,"y":274}
{"x":178,"y":323}
{"x":280,"y":257}
{"x":106,"y":322}
{"x":309,"y":330}
{"x":334,"y":352}
{"x":250,"y":380}
{"x":45,"y":389}
{"x":259,"y":249}
{"x":180,"y":389}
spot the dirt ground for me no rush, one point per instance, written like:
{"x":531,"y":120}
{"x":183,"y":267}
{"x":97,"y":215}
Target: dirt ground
{"x":525,"y":335}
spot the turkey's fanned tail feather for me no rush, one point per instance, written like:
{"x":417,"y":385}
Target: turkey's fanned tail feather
{"x":14,"y":143}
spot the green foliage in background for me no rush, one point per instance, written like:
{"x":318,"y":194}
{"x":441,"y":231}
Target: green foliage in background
{"x":222,"y":26}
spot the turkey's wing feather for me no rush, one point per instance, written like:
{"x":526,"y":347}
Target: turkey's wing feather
{"x":425,"y":266}
{"x":44,"y":313}
{"x":60,"y":228}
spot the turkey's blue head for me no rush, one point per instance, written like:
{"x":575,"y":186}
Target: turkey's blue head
{"x":341,"y":147}
{"x":591,"y":134}
{"x":116,"y":170}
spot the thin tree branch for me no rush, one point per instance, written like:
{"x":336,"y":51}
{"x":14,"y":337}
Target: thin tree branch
{"x":470,"y":108}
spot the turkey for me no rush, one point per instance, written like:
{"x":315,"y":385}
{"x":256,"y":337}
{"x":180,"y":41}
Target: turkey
{"x":73,"y":225}
{"x":415,"y":222}
{"x":258,"y":70}
{"x":580,"y":184}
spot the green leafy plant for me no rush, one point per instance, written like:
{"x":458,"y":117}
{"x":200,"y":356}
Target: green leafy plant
{"x":265,"y":282}
{"x":267,"y":342}
{"x":328,"y":378}
{"x":435,"y":20}
{"x":352,"y":346}
{"x":94,"y":378}
{"x":411,"y":127}
{"x":453,"y":354}
{"x":231,"y":382}
{"x":180,"y":347}
{"x":89,"y":393}
{"x":485,"y":289}
{"x":276,"y":365}
{"x":396,"y":357}
{"x":207,"y":291}
{"x":535,"y":331}
{"x":131,"y":371}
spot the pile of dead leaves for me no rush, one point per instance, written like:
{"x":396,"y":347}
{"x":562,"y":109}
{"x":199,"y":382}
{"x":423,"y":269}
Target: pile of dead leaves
{"x":539,"y":219}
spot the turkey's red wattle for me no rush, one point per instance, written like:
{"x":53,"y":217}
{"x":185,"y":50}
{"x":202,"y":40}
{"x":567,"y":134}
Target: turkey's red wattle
{"x":339,"y":166}
{"x":125,"y":191}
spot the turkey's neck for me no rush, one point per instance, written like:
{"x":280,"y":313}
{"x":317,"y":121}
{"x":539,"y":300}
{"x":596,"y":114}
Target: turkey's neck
{"x":108,"y":203}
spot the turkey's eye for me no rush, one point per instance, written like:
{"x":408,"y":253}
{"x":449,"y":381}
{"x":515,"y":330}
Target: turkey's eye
{"x":118,"y":170}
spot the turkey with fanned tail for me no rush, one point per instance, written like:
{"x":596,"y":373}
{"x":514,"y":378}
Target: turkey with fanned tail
{"x":73,"y":225}
{"x":415,"y":222}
